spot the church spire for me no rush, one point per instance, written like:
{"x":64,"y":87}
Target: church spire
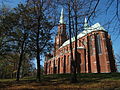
{"x":85,"y":24}
{"x":62,"y":17}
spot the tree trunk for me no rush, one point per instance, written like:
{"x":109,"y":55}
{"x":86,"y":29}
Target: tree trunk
{"x":38,"y":67}
{"x":38,"y":52}
{"x":76,"y":32}
{"x":19,"y":66}
{"x":74,"y":77}
{"x":71,"y":50}
{"x":20,"y":61}
{"x":75,"y":67}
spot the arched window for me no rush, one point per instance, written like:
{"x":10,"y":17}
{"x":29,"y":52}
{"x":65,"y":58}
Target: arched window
{"x":98,"y":42}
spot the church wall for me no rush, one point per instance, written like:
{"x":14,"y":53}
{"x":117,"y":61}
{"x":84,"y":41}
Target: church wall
{"x":94,"y":51}
{"x":81,"y":61}
{"x":94,"y":64}
{"x":87,"y":63}
{"x":110,"y":53}
{"x":104,"y":61}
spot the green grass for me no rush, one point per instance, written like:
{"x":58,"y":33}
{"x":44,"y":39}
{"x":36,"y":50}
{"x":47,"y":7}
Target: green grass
{"x":91,"y":81}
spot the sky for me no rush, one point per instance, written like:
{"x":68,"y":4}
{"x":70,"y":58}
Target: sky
{"x":102,"y":17}
{"x":12,"y":3}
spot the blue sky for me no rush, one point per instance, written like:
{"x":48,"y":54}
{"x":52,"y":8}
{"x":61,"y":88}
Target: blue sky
{"x":102,"y":17}
{"x":12,"y":3}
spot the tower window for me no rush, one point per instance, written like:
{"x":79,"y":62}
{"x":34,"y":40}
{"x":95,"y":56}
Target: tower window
{"x":98,"y":42}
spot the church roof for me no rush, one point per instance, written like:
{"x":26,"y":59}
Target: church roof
{"x":95,"y":27}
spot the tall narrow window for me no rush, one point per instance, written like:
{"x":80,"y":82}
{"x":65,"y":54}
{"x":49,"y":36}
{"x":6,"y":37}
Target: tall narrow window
{"x":58,"y":65}
{"x":64,"y":69}
{"x":98,"y":44}
{"x":90,"y":45}
{"x":68,"y":60}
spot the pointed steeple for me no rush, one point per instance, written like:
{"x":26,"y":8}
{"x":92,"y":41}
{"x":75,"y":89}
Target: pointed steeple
{"x":62,"y":17}
{"x":85,"y":24}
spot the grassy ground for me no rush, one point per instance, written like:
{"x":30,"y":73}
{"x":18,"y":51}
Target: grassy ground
{"x":108,"y":81}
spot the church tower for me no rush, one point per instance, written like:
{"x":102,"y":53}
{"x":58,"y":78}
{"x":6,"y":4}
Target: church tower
{"x":61,"y":36}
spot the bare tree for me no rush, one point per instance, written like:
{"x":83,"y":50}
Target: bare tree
{"x":76,"y":11}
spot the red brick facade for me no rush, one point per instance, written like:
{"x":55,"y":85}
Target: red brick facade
{"x":95,"y":54}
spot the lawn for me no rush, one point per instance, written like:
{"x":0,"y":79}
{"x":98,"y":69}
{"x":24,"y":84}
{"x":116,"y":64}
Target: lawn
{"x":103,"y":81}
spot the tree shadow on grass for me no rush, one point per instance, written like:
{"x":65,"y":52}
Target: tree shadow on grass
{"x":8,"y":84}
{"x":54,"y":81}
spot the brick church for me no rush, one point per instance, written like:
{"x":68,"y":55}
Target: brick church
{"x":94,"y":48}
